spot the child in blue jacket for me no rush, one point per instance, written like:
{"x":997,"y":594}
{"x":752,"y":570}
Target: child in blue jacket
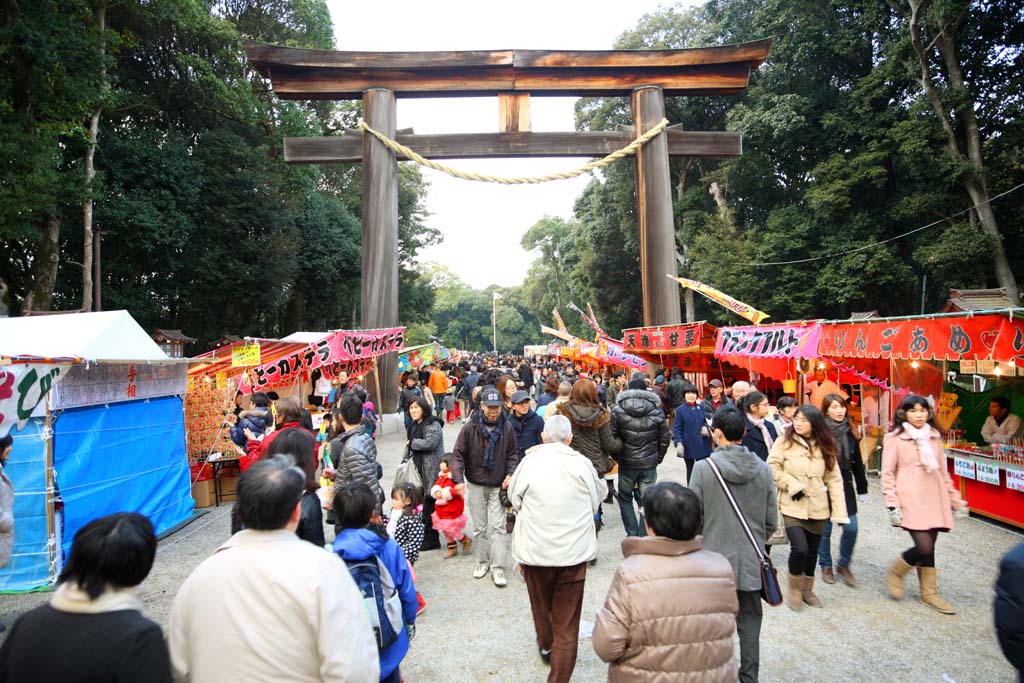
{"x":361,"y":538}
{"x":690,"y":431}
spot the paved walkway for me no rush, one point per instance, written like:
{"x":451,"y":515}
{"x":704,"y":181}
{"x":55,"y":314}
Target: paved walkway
{"x":473,"y":631}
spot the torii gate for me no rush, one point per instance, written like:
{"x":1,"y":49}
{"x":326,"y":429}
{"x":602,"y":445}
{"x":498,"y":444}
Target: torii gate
{"x":646,"y":76}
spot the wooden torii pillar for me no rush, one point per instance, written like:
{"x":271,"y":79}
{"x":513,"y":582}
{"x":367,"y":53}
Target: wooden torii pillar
{"x":378,"y":78}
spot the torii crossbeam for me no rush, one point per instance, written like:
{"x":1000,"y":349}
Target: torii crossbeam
{"x":378,"y":78}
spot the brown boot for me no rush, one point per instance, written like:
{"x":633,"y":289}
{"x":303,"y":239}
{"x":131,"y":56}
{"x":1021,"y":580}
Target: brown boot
{"x":808,"y":593}
{"x":894,"y":578}
{"x":847,"y":576}
{"x":795,"y":594}
{"x":466,"y":542}
{"x":929,"y":591}
{"x":453,"y":550}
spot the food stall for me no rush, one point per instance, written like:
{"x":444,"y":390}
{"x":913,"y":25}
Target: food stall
{"x":689,"y":347}
{"x":923,"y":354}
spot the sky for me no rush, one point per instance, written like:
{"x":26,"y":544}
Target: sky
{"x":483,"y":223}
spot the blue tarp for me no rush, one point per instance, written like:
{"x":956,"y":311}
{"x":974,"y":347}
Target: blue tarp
{"x":125,"y":457}
{"x":29,"y":567}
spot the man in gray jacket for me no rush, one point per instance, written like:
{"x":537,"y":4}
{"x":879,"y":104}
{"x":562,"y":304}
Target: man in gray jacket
{"x":753,"y":487}
{"x":353,"y":452}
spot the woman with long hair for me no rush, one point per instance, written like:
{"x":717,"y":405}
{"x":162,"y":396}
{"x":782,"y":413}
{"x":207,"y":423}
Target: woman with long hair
{"x":591,"y":429}
{"x":426,"y":448}
{"x":810,"y":487}
{"x":920,"y":496}
{"x":506,"y":386}
{"x":550,"y":392}
{"x":855,"y":486}
{"x":300,"y":445}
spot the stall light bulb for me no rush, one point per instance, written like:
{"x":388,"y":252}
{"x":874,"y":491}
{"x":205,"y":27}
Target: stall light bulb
{"x":999,"y":370}
{"x":915,"y":365}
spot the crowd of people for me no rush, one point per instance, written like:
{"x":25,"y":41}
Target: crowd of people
{"x":541,"y":451}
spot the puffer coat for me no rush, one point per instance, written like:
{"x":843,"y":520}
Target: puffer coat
{"x":670,"y":614}
{"x":592,"y":434}
{"x":639,"y":423}
{"x":354,"y":456}
{"x":800,"y":466}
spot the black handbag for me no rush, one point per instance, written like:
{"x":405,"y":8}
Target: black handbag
{"x":771,"y":591}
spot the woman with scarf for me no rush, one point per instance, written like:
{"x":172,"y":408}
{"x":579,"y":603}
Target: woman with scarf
{"x":810,"y":487}
{"x":855,"y":487}
{"x":426,"y":448}
{"x":761,"y":434}
{"x":920,"y":496}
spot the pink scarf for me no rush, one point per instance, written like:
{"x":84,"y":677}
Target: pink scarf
{"x":923,"y":438}
{"x":768,"y":440}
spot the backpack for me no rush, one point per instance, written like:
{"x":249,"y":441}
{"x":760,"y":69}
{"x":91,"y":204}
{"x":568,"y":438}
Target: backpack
{"x":380,"y":597}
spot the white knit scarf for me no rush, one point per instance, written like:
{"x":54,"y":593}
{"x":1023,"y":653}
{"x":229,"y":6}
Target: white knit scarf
{"x":922,"y":437}
{"x":759,"y":423}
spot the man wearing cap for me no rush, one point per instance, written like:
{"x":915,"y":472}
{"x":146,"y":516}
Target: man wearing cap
{"x":717,"y":398}
{"x":485,"y":456}
{"x":661,"y":389}
{"x":528,"y":425}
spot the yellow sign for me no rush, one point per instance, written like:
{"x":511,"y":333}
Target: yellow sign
{"x":222,"y":380}
{"x":738,"y":307}
{"x":248,"y":354}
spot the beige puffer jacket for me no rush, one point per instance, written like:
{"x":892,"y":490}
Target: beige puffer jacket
{"x":800,"y":466}
{"x":670,"y":614}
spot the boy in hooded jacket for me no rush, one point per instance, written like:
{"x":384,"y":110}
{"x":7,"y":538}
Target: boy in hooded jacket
{"x":360,"y":538}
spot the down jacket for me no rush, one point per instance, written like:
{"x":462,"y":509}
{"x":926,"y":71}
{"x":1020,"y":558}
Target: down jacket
{"x":354,"y":456}
{"x":670,"y":614}
{"x":639,"y":422}
{"x":428,"y":449}
{"x":800,"y":466}
{"x":592,"y":434}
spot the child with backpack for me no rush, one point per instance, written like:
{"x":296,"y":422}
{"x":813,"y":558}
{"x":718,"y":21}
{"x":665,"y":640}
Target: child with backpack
{"x":381,"y":572}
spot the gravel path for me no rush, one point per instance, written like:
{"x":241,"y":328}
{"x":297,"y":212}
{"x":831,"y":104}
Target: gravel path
{"x":473,"y":631}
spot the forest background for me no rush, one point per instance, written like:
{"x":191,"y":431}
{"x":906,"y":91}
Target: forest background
{"x":870,"y":120}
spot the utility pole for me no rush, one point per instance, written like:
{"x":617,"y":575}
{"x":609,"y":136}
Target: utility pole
{"x":494,"y":322}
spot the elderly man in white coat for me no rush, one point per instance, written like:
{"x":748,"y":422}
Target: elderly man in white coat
{"x":556,"y":491}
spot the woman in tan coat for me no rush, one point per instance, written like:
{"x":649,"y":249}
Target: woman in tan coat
{"x":920,"y":496}
{"x":670,"y":613}
{"x":811,"y":493}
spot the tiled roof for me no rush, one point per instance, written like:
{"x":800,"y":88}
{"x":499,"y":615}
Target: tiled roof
{"x":976,"y":300}
{"x":173,"y":336}
{"x":864,"y":315}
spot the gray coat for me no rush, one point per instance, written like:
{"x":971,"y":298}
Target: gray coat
{"x":428,"y":451}
{"x":753,"y":487}
{"x":6,"y":518}
{"x":354,"y":455}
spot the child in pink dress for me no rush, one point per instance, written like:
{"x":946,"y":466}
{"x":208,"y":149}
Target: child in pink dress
{"x":449,"y":508}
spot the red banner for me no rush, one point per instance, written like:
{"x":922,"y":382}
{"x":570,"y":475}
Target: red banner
{"x":352,"y":351}
{"x":980,"y":337}
{"x":663,"y":340}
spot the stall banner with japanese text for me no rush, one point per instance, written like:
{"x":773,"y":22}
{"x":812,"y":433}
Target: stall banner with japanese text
{"x":981,"y":337}
{"x":22,"y":389}
{"x":99,"y":384}
{"x":768,"y":341}
{"x":738,"y":307}
{"x":352,"y":351}
{"x":663,"y":340}
{"x":245,"y":355}
{"x":609,"y":351}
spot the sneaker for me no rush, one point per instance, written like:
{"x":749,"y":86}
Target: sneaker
{"x":498,"y":575}
{"x":481,"y":570}
{"x":545,"y":656}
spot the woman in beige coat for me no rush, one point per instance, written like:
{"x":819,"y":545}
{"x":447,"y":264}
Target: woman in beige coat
{"x":670,"y":613}
{"x":810,"y":486}
{"x":920,"y":496}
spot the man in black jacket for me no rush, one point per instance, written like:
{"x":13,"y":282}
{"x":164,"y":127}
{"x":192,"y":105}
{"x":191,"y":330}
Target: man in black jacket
{"x":1009,"y":608}
{"x":675,"y":389}
{"x":639,"y":422}
{"x":485,"y":455}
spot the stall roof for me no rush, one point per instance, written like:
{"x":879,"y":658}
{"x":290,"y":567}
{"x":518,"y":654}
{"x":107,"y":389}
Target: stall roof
{"x":219,"y":359}
{"x":306,"y":337}
{"x":976,"y":300}
{"x":107,"y":336}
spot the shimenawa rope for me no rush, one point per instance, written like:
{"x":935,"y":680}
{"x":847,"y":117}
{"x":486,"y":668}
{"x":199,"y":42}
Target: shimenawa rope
{"x":402,"y":150}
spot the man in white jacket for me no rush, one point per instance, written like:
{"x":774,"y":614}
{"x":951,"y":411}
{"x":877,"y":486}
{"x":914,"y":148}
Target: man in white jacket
{"x":268,"y":607}
{"x":556,"y":491}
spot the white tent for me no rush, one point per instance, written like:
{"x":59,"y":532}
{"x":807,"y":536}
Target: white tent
{"x":108,"y":336}
{"x":306,"y":337}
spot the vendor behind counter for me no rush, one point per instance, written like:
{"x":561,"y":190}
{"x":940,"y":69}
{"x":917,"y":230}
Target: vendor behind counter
{"x":1002,"y":426}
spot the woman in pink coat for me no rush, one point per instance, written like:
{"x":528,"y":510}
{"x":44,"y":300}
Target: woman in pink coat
{"x":920,"y":496}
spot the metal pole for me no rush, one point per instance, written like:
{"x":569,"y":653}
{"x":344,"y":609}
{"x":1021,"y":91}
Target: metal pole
{"x":924,"y":286}
{"x":494,"y":323}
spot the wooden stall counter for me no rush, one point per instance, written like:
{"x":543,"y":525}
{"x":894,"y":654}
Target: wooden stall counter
{"x":991,"y":483}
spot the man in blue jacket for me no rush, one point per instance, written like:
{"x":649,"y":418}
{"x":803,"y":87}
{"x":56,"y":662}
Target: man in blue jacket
{"x":528,"y":424}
